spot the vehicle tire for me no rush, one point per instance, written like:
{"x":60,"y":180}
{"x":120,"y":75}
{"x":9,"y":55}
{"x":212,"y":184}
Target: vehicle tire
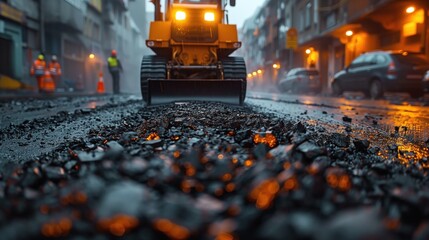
{"x":376,"y":89}
{"x":336,"y":89}
{"x":152,"y":67}
{"x":417,"y":94}
{"x":235,"y":68}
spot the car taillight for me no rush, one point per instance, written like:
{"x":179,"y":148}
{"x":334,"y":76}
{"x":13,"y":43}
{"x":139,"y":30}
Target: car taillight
{"x":391,"y":69}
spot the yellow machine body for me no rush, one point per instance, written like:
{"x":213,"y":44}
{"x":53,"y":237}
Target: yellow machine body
{"x":195,"y":43}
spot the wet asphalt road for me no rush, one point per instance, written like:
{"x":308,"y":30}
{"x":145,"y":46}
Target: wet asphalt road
{"x":405,"y":118}
{"x":282,"y":166}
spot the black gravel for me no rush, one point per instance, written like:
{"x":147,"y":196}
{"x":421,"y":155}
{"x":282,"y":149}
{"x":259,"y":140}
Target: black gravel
{"x":213,"y":171}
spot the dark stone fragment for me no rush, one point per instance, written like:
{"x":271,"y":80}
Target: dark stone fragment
{"x":32,"y":178}
{"x":242,"y":135}
{"x":393,"y":148}
{"x":248,"y":143}
{"x":54,"y":173}
{"x":125,"y":197}
{"x":301,"y":128}
{"x":361,"y":145}
{"x":135,"y":166}
{"x":154,"y":143}
{"x":354,"y":225}
{"x":347,"y":119}
{"x":86,"y":111}
{"x":324,"y":112}
{"x":91,"y":156}
{"x":374,"y":150}
{"x":128,"y":136}
{"x":340,"y":140}
{"x":115,"y":149}
{"x":396,"y":129}
{"x":260,"y":151}
{"x":289,"y":226}
{"x":348,"y":129}
{"x":311,"y":150}
{"x":380,"y":168}
{"x":70,"y":165}
{"x":179,"y":209}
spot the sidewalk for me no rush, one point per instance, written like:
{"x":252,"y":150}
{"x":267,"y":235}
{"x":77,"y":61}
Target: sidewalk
{"x":7,"y":95}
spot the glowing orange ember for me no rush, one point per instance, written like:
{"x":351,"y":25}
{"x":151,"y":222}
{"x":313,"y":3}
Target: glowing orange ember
{"x":230,"y":187}
{"x":248,"y":163}
{"x":171,"y":229}
{"x":338,"y":179}
{"x":264,"y":193}
{"x":265,"y":138}
{"x":225,"y":236}
{"x":175,"y":138}
{"x":119,"y":224}
{"x":75,"y":198}
{"x":56,"y":229}
{"x":227,"y":177}
{"x":153,"y":136}
{"x":290,"y":184}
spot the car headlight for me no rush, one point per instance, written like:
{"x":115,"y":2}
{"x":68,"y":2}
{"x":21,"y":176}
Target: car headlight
{"x":209,"y":16}
{"x":180,"y":15}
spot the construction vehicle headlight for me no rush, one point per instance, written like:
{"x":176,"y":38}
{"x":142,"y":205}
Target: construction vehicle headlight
{"x":209,"y":16}
{"x":180,"y":15}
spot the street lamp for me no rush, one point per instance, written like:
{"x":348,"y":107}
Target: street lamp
{"x":254,"y":73}
{"x":308,"y":51}
{"x":249,"y":75}
{"x":91,"y":56}
{"x":349,"y":33}
{"x":410,"y":9}
{"x":276,"y":66}
{"x":259,"y":71}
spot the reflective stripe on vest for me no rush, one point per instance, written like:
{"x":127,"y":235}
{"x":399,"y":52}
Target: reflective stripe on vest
{"x":113,"y":62}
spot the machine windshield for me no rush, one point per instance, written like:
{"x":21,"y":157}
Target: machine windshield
{"x":197,"y":1}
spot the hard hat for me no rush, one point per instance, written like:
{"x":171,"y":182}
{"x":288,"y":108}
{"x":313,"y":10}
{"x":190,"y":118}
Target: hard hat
{"x":113,"y":52}
{"x":54,"y":58}
{"x":41,"y":57}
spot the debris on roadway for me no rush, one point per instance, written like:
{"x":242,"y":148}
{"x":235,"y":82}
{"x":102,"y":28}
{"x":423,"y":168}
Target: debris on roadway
{"x":214,"y":171}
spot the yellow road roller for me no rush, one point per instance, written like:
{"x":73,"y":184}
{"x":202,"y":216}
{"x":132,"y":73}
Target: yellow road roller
{"x":192,"y":41}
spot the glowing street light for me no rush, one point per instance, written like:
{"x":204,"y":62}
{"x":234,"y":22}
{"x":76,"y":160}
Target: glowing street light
{"x":410,"y":9}
{"x":91,"y":56}
{"x":249,"y":75}
{"x":259,"y":71}
{"x":308,"y":51}
{"x":349,"y":33}
{"x":276,"y":66}
{"x":254,"y":73}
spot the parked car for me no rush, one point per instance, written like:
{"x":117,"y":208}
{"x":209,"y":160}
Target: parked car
{"x":374,"y":73}
{"x":426,"y":82}
{"x":301,"y":80}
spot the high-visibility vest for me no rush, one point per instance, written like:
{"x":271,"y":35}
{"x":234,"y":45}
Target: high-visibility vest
{"x":113,"y":63}
{"x":55,"y":68}
{"x":38,"y":68}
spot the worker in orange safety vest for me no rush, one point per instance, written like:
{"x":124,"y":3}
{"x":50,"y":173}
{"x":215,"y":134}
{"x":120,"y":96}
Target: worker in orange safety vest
{"x":38,"y":70}
{"x":55,"y":69}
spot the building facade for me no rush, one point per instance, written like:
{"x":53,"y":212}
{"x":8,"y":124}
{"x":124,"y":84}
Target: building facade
{"x":331,"y":33}
{"x":82,"y":33}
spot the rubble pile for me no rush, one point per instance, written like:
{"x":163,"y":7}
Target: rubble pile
{"x":213,"y":171}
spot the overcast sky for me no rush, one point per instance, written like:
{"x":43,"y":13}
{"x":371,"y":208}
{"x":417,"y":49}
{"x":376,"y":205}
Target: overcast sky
{"x":238,"y":14}
{"x":243,"y":10}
